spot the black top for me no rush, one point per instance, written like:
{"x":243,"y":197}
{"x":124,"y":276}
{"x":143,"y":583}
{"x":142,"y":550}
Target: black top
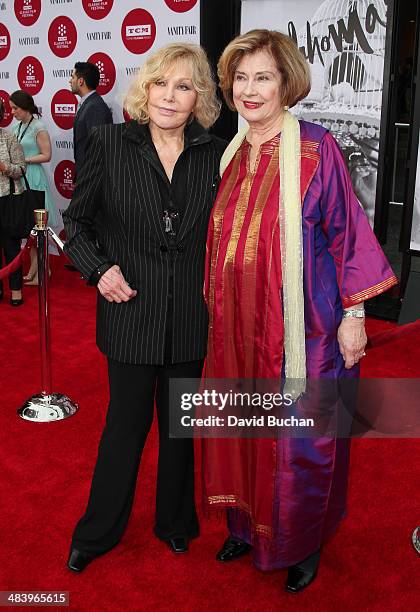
{"x":124,"y":182}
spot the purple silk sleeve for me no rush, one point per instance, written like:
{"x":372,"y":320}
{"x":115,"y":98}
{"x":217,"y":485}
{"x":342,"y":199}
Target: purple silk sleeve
{"x":361,"y":267}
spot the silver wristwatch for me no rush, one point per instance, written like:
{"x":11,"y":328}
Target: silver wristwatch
{"x":357,"y":313}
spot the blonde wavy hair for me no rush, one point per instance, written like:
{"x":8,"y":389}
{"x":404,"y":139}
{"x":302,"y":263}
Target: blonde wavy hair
{"x":207,"y":107}
{"x":290,"y":62}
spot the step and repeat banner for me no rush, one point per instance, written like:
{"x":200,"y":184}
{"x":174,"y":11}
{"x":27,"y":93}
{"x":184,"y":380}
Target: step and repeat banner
{"x":344,"y":43}
{"x":40,"y":41}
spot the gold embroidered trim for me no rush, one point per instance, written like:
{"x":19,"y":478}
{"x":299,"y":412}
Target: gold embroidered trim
{"x":361,"y":296}
{"x":265,"y":530}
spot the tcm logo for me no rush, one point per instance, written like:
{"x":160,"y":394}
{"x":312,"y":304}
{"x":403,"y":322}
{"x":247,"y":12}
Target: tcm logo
{"x":27,"y":11}
{"x":180,"y":6}
{"x":7,"y":119}
{"x":63,"y":178}
{"x":107,"y":72}
{"x":65,"y":109}
{"x":30,"y":75}
{"x":4,"y":41}
{"x":139,"y":30}
{"x":62,"y":36}
{"x":97,"y":9}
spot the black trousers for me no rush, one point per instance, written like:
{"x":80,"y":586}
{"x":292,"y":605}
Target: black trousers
{"x":10,"y":247}
{"x":133,"y":390}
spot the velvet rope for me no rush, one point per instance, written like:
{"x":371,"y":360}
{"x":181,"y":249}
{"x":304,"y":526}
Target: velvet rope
{"x":17,"y":261}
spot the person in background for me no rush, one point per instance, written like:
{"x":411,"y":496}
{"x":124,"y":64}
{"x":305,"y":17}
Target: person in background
{"x":153,"y":182}
{"x":92,"y":110}
{"x":12,"y":161}
{"x":33,"y":136}
{"x":290,"y":260}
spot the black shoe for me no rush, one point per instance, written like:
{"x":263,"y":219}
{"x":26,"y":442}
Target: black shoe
{"x":233,"y":549}
{"x":78,"y":561}
{"x":178,"y":545}
{"x":16,"y":301}
{"x":302,"y":574}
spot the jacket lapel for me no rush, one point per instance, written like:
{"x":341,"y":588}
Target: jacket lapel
{"x":136,"y":135}
{"x":196,"y":177}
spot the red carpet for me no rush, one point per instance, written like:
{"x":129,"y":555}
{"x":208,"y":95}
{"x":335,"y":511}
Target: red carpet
{"x":46,"y":470}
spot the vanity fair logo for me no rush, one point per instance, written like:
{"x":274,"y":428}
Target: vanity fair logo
{"x":97,"y":9}
{"x":181,"y":6}
{"x":64,"y":108}
{"x":62,"y":36}
{"x":4,"y":41}
{"x":138,"y":31}
{"x":30,"y":75}
{"x":187,"y":30}
{"x":106,"y":70}
{"x":27,"y":11}
{"x":63,"y":178}
{"x":7,"y":119}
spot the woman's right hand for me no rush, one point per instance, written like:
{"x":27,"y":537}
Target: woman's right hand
{"x":113,"y":286}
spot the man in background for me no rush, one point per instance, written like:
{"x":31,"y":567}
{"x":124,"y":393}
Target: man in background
{"x":91,"y":111}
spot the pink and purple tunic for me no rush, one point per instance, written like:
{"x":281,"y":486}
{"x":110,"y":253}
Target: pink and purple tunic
{"x":286,"y":496}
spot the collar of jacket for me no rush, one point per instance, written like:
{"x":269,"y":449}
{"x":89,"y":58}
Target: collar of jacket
{"x":138,"y":133}
{"x":194,"y":134}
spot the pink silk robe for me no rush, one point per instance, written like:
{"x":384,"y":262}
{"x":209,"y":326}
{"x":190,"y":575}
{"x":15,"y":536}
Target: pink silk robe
{"x":286,"y":496}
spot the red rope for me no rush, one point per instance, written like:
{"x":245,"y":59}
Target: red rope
{"x":17,"y":261}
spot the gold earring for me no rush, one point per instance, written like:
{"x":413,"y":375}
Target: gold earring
{"x":286,"y":108}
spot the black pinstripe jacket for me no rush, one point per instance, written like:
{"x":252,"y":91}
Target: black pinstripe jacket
{"x":121,"y":183}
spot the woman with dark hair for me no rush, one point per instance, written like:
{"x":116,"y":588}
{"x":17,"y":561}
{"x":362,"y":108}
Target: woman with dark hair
{"x":290,"y":260}
{"x":33,"y":136}
{"x":12,"y":160}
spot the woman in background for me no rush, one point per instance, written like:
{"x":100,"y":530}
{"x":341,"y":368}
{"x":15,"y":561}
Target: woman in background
{"x":12,"y":160}
{"x":33,"y":136}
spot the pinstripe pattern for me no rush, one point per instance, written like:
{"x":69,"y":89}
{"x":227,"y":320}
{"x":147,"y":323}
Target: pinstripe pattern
{"x":119,"y":183}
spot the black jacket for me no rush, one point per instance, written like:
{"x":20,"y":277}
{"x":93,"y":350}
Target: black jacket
{"x":94,"y":111}
{"x":124,"y":182}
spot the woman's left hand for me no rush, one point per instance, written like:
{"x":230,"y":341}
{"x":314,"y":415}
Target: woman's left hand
{"x":352,"y":340}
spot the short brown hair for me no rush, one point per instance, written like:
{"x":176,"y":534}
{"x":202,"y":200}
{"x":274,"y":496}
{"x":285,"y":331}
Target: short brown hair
{"x":207,"y":107}
{"x":290,"y":62}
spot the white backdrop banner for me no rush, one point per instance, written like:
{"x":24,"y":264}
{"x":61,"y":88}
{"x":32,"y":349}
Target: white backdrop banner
{"x":344,"y":43}
{"x":415,"y":228}
{"x":40,"y":41}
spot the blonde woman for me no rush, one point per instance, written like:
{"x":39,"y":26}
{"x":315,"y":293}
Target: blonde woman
{"x":152,"y":183}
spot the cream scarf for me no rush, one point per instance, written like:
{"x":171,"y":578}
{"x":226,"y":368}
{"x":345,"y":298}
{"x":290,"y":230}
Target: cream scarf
{"x":290,"y":222}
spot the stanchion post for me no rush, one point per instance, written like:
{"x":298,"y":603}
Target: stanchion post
{"x":41,"y":217}
{"x":46,"y":406}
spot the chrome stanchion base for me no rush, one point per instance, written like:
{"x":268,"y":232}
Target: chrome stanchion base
{"x":416,"y":539}
{"x":46,"y":408}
